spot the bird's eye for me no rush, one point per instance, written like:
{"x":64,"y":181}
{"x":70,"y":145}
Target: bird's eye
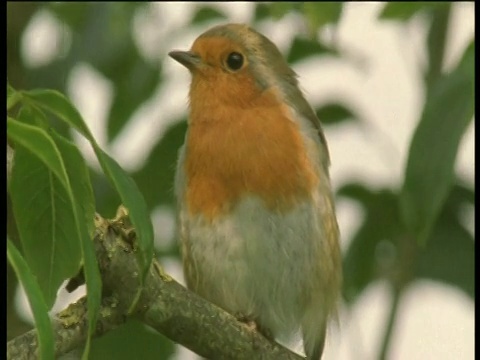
{"x":234,"y":61}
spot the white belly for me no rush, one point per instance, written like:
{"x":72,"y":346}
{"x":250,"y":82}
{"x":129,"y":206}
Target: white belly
{"x":257,"y":263}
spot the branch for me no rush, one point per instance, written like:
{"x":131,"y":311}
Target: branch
{"x":162,"y":303}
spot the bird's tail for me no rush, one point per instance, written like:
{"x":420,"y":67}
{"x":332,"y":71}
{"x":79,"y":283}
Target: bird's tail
{"x":314,"y":341}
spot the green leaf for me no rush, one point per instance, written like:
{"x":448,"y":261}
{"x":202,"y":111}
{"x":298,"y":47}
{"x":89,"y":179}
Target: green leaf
{"x":371,"y":253}
{"x":262,"y":11}
{"x":466,"y":65}
{"x":207,"y":13}
{"x":430,"y":168}
{"x":78,"y":174}
{"x":42,"y":146}
{"x":449,"y":256}
{"x":279,"y":9}
{"x":132,"y":199}
{"x":405,"y":10}
{"x":275,"y":10}
{"x":45,"y":223}
{"x":31,"y":116}
{"x":106,"y":40}
{"x":450,"y":243}
{"x":106,"y":196}
{"x":334,"y":113}
{"x":158,"y":185}
{"x":134,"y":84}
{"x":459,"y":196}
{"x":436,"y":42}
{"x":73,"y":14}
{"x":13,"y":97}
{"x":302,"y":48}
{"x":93,"y":283}
{"x":319,"y":14}
{"x":37,"y":303}
{"x":58,"y":104}
{"x":40,"y":143}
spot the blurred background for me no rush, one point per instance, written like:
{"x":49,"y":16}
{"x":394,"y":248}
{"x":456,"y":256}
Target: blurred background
{"x":366,"y":68}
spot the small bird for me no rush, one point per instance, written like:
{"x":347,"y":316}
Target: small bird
{"x":256,"y":217}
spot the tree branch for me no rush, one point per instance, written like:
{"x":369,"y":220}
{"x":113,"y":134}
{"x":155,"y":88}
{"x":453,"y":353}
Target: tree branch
{"x":162,"y":303}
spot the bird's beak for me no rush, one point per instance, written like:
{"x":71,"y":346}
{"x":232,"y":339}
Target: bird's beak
{"x":186,"y":58}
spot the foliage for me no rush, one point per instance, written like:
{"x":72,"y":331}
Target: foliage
{"x":406,"y":234}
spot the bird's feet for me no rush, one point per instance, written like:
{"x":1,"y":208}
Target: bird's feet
{"x":253,"y":325}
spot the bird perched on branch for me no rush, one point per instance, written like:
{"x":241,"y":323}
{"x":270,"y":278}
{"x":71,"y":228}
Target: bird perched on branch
{"x":256,"y":214}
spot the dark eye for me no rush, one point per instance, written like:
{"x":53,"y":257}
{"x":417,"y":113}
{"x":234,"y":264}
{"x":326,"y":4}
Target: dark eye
{"x":234,"y":61}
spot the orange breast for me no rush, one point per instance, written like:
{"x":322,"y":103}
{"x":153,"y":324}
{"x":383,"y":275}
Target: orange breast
{"x":255,"y":150}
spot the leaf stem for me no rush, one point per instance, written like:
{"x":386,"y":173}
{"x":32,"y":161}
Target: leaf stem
{"x":436,"y":43}
{"x":397,"y":293}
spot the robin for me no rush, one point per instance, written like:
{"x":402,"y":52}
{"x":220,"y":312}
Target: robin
{"x":256,"y":215}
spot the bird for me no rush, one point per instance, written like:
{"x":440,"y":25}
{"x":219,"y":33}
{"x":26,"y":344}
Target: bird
{"x":255,"y":210}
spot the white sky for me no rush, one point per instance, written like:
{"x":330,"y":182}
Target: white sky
{"x":381,"y":79}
